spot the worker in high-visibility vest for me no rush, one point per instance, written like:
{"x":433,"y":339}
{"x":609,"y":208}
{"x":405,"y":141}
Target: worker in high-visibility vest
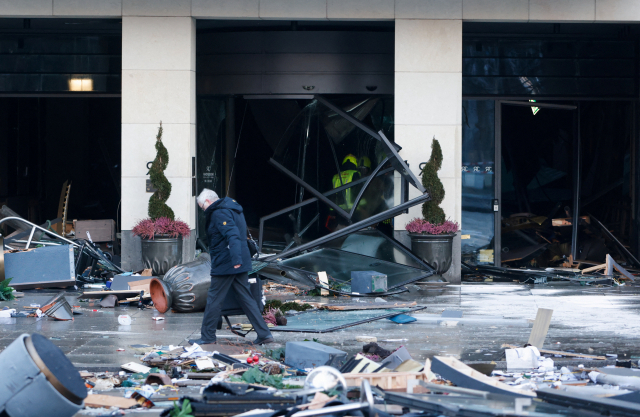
{"x":348,"y":174}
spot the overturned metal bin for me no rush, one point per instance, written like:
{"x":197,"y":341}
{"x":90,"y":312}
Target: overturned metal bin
{"x":39,"y":380}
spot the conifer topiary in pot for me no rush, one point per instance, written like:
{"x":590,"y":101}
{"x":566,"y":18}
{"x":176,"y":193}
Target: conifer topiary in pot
{"x":161,"y":233}
{"x":432,"y":236}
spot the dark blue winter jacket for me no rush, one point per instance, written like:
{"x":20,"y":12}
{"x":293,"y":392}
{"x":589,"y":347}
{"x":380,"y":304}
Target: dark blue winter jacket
{"x":227,"y":234}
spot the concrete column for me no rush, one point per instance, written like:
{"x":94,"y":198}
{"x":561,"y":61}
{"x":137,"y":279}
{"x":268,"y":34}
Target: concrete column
{"x":158,"y":84}
{"x":428,"y":103}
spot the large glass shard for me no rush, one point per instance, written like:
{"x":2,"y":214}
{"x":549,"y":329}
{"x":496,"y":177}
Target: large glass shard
{"x":376,"y":244}
{"x":339,"y":264}
{"x":324,"y":321}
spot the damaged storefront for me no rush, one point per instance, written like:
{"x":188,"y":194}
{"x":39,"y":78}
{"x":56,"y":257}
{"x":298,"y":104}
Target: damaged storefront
{"x":548,"y":136}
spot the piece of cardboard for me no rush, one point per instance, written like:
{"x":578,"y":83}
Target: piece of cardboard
{"x":140,"y":285}
{"x":147,"y":272}
{"x":108,"y":401}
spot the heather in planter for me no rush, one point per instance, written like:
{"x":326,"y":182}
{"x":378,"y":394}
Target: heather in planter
{"x":432,"y":236}
{"x":161,"y":233}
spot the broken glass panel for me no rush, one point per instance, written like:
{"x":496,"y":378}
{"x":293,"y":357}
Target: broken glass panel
{"x":339,"y":264}
{"x":372,"y":242}
{"x":323,"y":321}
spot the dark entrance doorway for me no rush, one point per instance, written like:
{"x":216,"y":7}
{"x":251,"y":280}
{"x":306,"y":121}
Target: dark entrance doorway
{"x":46,"y":141}
{"x":537,"y":178}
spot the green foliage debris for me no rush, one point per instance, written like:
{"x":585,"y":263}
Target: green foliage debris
{"x":6,"y":292}
{"x":185,"y":411}
{"x":256,"y":376}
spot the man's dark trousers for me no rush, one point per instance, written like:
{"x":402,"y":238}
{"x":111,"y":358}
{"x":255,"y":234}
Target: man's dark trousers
{"x":220,"y":286}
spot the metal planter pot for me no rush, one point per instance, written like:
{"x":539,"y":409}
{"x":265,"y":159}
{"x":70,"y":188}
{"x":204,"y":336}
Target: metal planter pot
{"x":161,"y":253}
{"x":436,"y":250}
{"x":184,"y":287}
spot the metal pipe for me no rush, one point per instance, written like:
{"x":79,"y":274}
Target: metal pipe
{"x":38,"y":242}
{"x":33,"y":229}
{"x":35,"y":226}
{"x":312,"y":190}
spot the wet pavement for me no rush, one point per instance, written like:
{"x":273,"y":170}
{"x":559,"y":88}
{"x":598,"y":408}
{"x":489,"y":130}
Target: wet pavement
{"x":591,"y":320}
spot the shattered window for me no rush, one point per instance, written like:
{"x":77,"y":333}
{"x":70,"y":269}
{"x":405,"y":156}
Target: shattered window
{"x":339,"y":264}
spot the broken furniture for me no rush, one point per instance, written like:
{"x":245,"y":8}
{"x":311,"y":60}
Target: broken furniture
{"x":98,"y":231}
{"x":78,"y":254}
{"x":39,"y":380}
{"x":49,"y":266}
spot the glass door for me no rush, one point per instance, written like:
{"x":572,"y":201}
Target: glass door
{"x":478,"y":182}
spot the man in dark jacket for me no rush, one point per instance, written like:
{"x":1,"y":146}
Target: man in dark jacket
{"x":230,"y":264}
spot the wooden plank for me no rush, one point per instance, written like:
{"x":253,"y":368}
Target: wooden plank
{"x":142,"y":285}
{"x":594,"y":268}
{"x":108,"y":401}
{"x":558,"y":352}
{"x":540,"y":327}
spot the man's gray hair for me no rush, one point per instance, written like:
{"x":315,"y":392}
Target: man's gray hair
{"x":205,"y":195}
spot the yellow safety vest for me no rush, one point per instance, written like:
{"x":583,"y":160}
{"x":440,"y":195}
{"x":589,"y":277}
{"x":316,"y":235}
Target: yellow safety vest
{"x":347,"y":177}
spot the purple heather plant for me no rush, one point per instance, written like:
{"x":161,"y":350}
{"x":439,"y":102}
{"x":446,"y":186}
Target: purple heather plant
{"x":147,"y":228}
{"x":418,"y":225}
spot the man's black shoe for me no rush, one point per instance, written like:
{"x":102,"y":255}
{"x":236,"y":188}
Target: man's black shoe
{"x":200,"y":342}
{"x":264,"y":341}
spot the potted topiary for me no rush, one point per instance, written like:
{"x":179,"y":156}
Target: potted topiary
{"x":432,"y":236}
{"x":161,"y":233}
